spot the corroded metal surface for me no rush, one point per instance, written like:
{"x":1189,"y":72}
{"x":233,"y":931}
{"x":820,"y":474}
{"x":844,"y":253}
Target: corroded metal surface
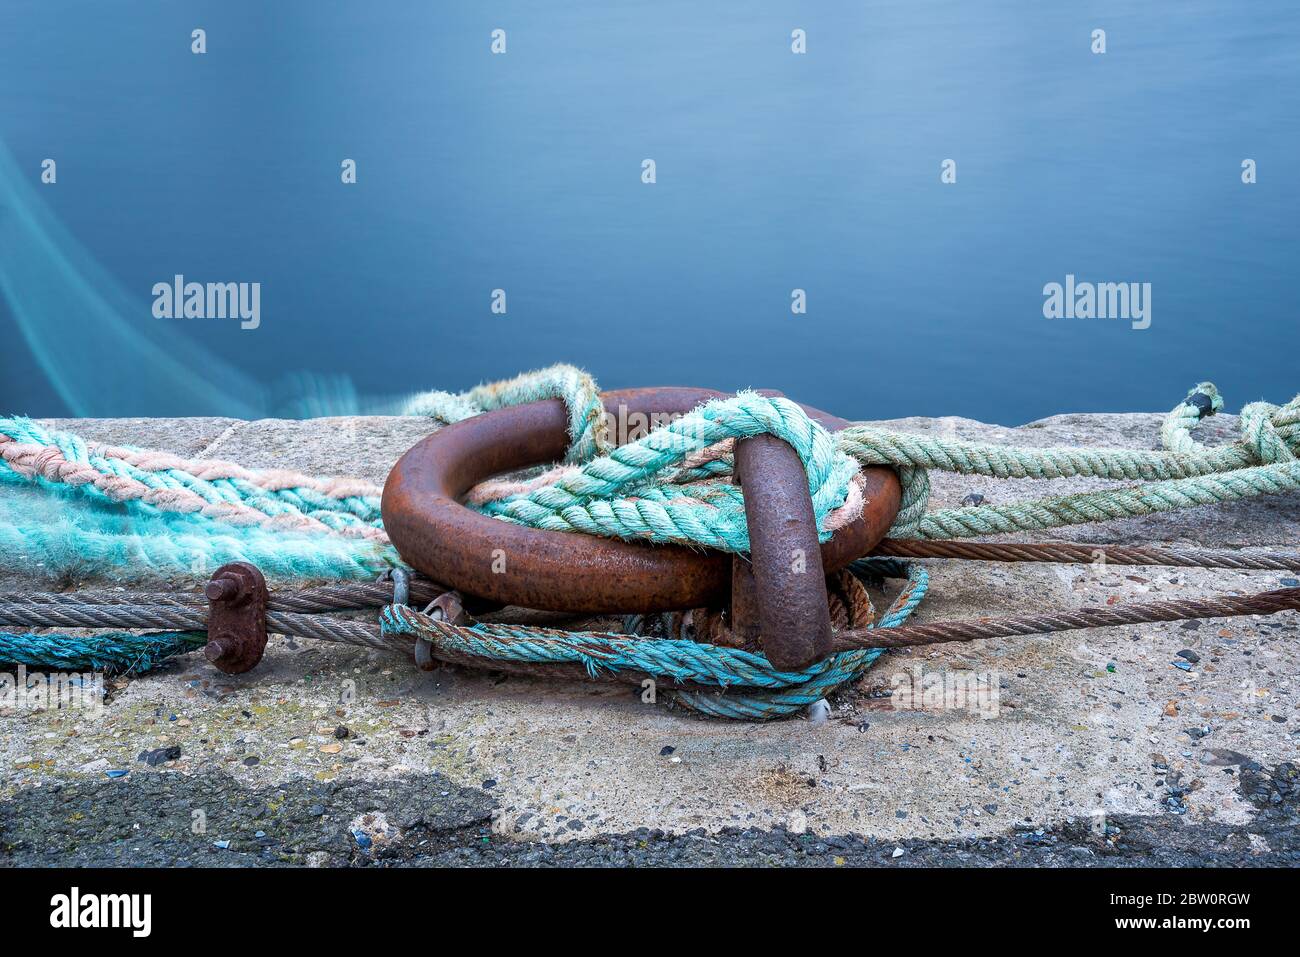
{"x":794,"y":620}
{"x":237,"y":600}
{"x":566,"y":571}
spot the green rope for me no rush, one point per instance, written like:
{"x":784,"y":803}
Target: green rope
{"x":1108,"y":504}
{"x":1263,"y":462}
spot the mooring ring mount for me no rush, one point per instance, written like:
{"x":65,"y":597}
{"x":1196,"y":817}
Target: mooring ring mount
{"x":484,"y":557}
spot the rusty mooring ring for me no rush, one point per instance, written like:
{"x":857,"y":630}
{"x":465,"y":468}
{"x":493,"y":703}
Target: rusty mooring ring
{"x":788,"y":592}
{"x":566,"y":571}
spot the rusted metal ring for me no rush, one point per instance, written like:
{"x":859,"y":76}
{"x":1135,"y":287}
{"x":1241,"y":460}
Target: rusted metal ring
{"x":788,"y":595}
{"x":566,"y":571}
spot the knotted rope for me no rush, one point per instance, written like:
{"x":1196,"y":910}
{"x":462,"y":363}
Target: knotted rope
{"x":141,"y":511}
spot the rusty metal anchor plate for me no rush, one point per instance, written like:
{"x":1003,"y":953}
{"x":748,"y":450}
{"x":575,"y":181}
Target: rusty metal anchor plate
{"x":237,"y":600}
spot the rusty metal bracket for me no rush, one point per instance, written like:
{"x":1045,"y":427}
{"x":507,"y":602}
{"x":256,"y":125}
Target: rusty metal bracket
{"x":446,"y":607}
{"x":237,"y":600}
{"x":483,"y":557}
{"x":788,"y":595}
{"x":424,"y":659}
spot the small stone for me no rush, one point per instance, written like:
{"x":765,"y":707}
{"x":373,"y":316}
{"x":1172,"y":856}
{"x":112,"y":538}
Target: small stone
{"x":666,"y":750}
{"x":489,"y":784}
{"x":341,"y":732}
{"x":1190,"y":655}
{"x":898,"y":852}
{"x":159,"y":755}
{"x":331,"y":748}
{"x":974,"y":498}
{"x":252,"y":761}
{"x":316,"y":810}
{"x":1171,"y":709}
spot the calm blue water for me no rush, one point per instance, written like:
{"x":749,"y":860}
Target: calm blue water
{"x":522,"y":172}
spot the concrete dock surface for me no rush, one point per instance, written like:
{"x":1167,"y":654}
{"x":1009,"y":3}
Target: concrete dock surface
{"x":1150,"y":744}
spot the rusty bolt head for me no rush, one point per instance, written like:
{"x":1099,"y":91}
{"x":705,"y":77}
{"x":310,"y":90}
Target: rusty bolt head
{"x":222,"y":589}
{"x":237,"y":600}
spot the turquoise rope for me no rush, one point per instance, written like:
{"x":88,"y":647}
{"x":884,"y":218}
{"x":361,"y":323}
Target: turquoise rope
{"x":64,"y":536}
{"x":749,"y":686}
{"x":631,"y":494}
{"x":112,"y":652}
{"x":338,"y":513}
{"x":576,"y":388}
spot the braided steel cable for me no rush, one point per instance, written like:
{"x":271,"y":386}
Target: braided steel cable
{"x":333,"y":597}
{"x":178,"y":617}
{"x":1136,"y":613}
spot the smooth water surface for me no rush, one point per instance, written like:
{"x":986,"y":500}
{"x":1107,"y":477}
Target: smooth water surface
{"x":523,"y":172}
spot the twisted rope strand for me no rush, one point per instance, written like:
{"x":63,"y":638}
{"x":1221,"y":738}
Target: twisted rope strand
{"x":1088,"y":554}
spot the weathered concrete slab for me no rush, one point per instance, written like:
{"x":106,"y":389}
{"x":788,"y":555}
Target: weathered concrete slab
{"x":1085,"y":724}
